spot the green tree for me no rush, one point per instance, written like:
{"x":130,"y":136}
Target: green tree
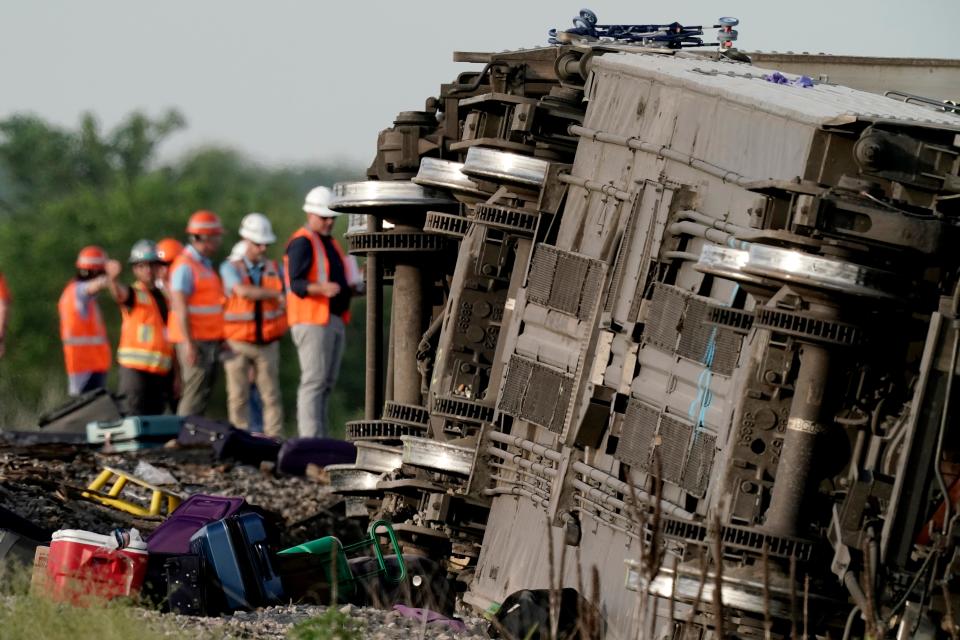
{"x":61,"y":190}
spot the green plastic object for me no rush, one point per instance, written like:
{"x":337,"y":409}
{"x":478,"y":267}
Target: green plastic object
{"x":337,"y":570}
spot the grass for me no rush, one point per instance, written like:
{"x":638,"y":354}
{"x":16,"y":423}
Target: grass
{"x":332,"y":624}
{"x":26,"y":616}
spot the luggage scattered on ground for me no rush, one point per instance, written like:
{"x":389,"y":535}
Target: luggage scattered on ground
{"x":209,"y":555}
{"x":84,"y":567}
{"x":74,"y":415}
{"x":235,"y":554}
{"x":133,"y":432}
{"x":297,"y":453}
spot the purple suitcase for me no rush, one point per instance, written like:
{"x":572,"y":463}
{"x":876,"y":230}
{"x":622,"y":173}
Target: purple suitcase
{"x":297,"y":453}
{"x":173,"y":536}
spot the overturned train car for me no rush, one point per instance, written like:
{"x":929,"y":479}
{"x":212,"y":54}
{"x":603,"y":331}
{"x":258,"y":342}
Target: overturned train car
{"x":655,"y":318}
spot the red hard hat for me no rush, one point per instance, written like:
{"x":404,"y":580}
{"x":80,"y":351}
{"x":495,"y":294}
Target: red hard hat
{"x":92,"y":258}
{"x":204,"y":223}
{"x":168,"y":249}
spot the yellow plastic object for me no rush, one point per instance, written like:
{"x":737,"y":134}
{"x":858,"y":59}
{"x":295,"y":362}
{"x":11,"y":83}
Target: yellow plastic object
{"x":112,"y":498}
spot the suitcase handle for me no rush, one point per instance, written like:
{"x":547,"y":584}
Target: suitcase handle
{"x":378,"y":552}
{"x":110,"y":428}
{"x":263,"y":558}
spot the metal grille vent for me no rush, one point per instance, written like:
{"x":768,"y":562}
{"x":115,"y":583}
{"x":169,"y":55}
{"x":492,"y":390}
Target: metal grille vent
{"x":514,"y":384}
{"x":636,"y":438}
{"x":686,"y":455}
{"x":674,"y":442}
{"x":666,"y":313}
{"x":726,"y":351}
{"x":699,"y":464}
{"x":536,"y":393}
{"x":697,"y":337}
{"x":687,"y":325}
{"x":540,"y":280}
{"x":564,"y":281}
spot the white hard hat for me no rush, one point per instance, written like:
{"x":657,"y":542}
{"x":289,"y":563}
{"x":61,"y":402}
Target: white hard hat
{"x":238,"y":251}
{"x":257,"y":229}
{"x":318,"y":202}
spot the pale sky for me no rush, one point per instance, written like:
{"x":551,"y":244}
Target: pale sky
{"x":287,"y":82}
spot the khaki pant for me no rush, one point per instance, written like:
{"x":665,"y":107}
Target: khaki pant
{"x":197,"y":380}
{"x":264,"y":359}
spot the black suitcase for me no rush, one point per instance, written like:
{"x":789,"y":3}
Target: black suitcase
{"x":237,"y":563}
{"x":246,"y":448}
{"x":197,"y":431}
{"x":73,"y":416}
{"x":186,"y":593}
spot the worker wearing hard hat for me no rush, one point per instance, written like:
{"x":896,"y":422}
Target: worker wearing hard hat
{"x":195,"y":323}
{"x":167,"y":251}
{"x":86,"y":351}
{"x":145,"y":355}
{"x":4,"y":313}
{"x":254,"y":320}
{"x":319,"y":278}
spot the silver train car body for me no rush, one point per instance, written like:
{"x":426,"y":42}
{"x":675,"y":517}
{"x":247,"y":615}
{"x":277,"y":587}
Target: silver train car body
{"x":658,"y":317}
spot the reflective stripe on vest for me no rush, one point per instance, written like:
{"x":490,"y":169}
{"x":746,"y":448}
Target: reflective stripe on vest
{"x":84,"y":337}
{"x":240,"y":315}
{"x":314,"y":308}
{"x":85,"y":340}
{"x":204,"y":305}
{"x":143,"y":341}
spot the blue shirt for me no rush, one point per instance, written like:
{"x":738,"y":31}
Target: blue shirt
{"x":82,"y":297}
{"x":182,"y":277}
{"x":231,"y":276}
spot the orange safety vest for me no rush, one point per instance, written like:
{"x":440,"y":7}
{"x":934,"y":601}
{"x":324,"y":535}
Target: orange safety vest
{"x":204,"y":305}
{"x":242,"y":315}
{"x":143,"y":337}
{"x":85,"y":346}
{"x":314,"y":308}
{"x":4,"y":291}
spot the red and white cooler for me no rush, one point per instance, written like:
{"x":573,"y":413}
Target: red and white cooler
{"x":84,"y":565}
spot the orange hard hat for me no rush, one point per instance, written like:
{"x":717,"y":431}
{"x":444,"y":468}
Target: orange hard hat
{"x":204,"y":223}
{"x":92,"y":258}
{"x":168,"y":249}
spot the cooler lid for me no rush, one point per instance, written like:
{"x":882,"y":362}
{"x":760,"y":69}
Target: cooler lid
{"x":98,"y":540}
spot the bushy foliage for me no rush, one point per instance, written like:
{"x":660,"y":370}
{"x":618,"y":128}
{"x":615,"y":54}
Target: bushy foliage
{"x":61,"y":189}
